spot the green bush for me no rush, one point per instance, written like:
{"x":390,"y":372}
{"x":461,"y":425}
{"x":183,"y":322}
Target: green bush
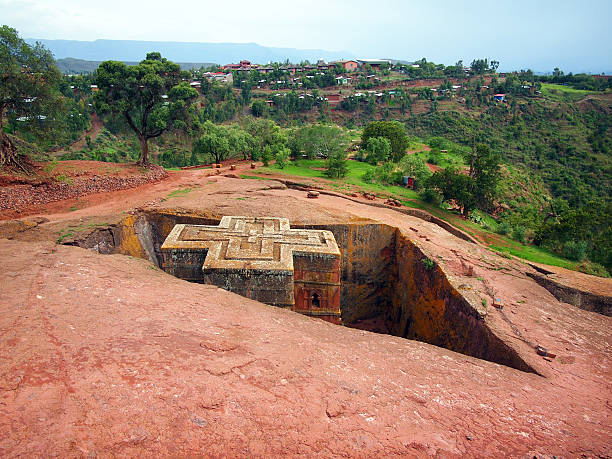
{"x":282,"y":157}
{"x":434,"y":159}
{"x":504,"y":228}
{"x":575,"y":250}
{"x":594,"y":269}
{"x":368,"y":176}
{"x":431,"y":196}
{"x":428,"y":264}
{"x":519,"y":233}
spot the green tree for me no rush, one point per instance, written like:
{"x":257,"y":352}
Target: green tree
{"x":267,"y":154}
{"x":591,"y":223}
{"x":370,"y":106}
{"x":454,"y":185}
{"x":282,"y":157}
{"x":245,"y":95}
{"x":214,"y":142}
{"x":414,"y":166}
{"x":479,"y":66}
{"x":258,"y":108}
{"x":150,"y":96}
{"x":193,"y":160}
{"x":317,"y":141}
{"x":485,"y":171}
{"x":336,"y":164}
{"x":392,"y":130}
{"x":265,"y":132}
{"x":28,"y":79}
{"x":241,"y":142}
{"x":379,"y":150}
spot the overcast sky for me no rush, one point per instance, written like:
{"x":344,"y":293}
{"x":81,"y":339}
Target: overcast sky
{"x":538,"y":34}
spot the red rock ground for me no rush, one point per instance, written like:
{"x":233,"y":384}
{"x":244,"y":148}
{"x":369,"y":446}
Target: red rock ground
{"x":105,"y":355}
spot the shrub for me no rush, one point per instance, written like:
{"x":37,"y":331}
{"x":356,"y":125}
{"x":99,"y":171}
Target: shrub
{"x":428,"y":264}
{"x":594,"y":269}
{"x":519,"y":233}
{"x":282,"y":157}
{"x":431,"y":196}
{"x":504,"y":228}
{"x":575,"y":250}
{"x":368,"y":176}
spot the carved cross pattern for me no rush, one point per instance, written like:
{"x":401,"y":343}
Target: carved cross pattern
{"x":251,"y":242}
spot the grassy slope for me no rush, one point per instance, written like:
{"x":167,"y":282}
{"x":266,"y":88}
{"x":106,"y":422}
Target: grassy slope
{"x":314,"y":169}
{"x":560,"y":93}
{"x":353,"y":181}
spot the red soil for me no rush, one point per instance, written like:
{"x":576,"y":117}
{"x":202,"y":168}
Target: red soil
{"x":106,"y":355}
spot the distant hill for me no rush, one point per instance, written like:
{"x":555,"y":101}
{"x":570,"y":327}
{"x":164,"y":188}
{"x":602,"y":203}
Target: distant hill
{"x":70,"y":65}
{"x":219,"y":53}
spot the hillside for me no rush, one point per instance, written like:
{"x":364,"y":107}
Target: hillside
{"x":554,"y":143}
{"x":554,"y":139}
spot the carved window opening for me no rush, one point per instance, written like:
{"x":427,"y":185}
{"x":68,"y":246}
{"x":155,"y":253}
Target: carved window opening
{"x":316,"y":302}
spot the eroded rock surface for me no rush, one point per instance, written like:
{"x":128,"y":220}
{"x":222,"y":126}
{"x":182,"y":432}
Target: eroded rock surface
{"x":108,"y":355}
{"x":104,"y":355}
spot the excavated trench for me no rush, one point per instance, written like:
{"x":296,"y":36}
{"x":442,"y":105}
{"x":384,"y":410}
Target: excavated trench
{"x":386,"y":285}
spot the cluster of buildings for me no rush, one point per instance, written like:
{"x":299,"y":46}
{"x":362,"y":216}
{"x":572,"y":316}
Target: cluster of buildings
{"x":321,"y":65}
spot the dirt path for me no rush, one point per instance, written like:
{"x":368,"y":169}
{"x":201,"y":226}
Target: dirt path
{"x":94,"y":130}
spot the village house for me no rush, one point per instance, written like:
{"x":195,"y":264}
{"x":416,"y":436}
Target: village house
{"x":333,"y":99}
{"x":342,"y":80}
{"x":219,"y":76}
{"x":349,"y":66}
{"x":196,"y":85}
{"x":375,"y":64}
{"x":243,"y":65}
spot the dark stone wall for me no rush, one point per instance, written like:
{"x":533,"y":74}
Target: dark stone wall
{"x":367,"y":268}
{"x":584,"y":300}
{"x":426,"y":307}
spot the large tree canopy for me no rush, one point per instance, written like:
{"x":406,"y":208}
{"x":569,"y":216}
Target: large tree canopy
{"x":214,"y":142}
{"x":478,"y":188}
{"x":265,"y":133}
{"x":28,"y":79}
{"x":392,"y":130}
{"x":317,"y":141}
{"x":220,"y":142}
{"x":150,"y":95}
{"x":484,"y":170}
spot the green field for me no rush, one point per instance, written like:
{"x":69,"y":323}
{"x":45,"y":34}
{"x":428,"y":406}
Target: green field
{"x":562,"y":93}
{"x":353,"y":182}
{"x":313,"y":169}
{"x":535,"y":254}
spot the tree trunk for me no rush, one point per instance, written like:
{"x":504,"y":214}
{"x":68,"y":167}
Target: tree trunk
{"x":8,"y":153}
{"x":144,"y":152}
